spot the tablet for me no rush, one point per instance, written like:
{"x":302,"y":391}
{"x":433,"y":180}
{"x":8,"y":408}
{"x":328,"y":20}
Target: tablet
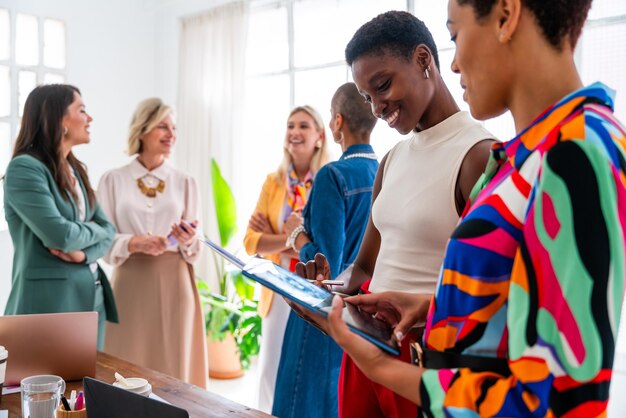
{"x":105,"y":401}
{"x":311,"y":297}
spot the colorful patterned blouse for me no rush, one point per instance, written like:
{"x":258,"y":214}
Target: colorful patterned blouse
{"x":535,"y":270}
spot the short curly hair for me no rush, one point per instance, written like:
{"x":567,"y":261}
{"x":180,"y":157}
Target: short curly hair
{"x":395,"y":32}
{"x":556,"y":18}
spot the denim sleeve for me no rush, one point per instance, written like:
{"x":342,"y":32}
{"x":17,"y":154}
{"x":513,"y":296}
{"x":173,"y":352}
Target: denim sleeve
{"x":324,"y":220}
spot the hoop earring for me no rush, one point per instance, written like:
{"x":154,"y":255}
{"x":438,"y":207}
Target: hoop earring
{"x":65,"y":130}
{"x":427,"y":72}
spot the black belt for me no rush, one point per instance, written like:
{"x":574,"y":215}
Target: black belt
{"x":432,"y":359}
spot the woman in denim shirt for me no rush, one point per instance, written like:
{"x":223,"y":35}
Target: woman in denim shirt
{"x":334,"y":218}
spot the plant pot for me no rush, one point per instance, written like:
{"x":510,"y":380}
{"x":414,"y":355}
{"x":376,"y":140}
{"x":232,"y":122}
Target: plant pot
{"x":224,"y":358}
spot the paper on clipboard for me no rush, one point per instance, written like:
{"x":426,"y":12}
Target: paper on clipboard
{"x":311,"y":297}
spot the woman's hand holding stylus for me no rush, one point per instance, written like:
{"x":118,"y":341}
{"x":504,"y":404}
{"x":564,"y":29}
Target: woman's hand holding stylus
{"x":315,"y":270}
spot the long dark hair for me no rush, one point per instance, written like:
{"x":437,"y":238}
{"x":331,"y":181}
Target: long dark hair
{"x":41,"y":133}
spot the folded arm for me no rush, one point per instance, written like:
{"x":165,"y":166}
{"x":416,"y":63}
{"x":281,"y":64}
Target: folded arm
{"x":28,"y":194}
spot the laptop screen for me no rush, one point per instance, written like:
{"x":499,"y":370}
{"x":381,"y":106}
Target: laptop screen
{"x":63,"y":344}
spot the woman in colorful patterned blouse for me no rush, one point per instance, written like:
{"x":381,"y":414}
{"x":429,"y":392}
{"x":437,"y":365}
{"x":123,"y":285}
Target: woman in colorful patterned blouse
{"x":526,"y":311}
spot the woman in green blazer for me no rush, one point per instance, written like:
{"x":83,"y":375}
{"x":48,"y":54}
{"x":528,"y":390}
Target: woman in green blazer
{"x":56,"y":225}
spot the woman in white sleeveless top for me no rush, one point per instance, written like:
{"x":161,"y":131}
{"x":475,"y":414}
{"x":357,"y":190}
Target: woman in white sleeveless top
{"x":421,"y":186}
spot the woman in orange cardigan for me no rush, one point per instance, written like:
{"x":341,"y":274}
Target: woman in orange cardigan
{"x":284,"y":191}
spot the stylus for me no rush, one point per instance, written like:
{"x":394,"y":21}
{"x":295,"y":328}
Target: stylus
{"x":327,"y":282}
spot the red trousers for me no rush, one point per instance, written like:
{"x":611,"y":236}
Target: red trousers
{"x":359,"y":397}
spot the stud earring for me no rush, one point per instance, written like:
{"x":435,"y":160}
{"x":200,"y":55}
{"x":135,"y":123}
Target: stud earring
{"x":318,"y":144}
{"x":427,"y":72}
{"x":65,"y":130}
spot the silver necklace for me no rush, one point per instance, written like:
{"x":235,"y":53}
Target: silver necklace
{"x":368,"y":155}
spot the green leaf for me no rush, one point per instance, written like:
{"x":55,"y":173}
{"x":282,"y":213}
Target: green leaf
{"x":243,"y":286}
{"x":230,"y":311}
{"x":217,"y":320}
{"x":225,"y":208}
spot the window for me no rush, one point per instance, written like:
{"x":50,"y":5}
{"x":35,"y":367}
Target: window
{"x":295,"y":56}
{"x":32,"y":52}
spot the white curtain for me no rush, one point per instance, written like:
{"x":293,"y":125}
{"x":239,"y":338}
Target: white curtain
{"x":210,"y":103}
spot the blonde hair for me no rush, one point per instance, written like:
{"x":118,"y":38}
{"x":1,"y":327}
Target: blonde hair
{"x":149,"y":113}
{"x":320,"y":156}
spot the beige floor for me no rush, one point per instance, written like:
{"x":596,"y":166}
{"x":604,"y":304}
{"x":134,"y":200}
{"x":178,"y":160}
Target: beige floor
{"x":242,"y":390}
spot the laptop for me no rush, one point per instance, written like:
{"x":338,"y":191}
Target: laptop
{"x":105,"y":401}
{"x":63,"y":344}
{"x":311,"y":297}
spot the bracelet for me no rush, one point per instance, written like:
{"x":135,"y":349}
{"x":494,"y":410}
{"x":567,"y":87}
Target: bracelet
{"x":291,"y":240}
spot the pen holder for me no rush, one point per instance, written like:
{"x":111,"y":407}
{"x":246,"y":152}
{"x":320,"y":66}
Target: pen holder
{"x":62,"y":413}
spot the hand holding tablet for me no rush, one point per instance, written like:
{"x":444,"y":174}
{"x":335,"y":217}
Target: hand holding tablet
{"x":313,"y":298}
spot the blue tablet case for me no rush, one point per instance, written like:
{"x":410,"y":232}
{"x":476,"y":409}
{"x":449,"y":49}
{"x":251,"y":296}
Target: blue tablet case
{"x":311,"y":297}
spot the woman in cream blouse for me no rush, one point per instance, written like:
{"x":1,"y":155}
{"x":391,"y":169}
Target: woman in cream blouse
{"x":155,"y":208}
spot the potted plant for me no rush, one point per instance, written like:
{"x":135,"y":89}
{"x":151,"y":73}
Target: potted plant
{"x":232,"y":323}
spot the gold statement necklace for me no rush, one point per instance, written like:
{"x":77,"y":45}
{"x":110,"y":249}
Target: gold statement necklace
{"x":150,"y":191}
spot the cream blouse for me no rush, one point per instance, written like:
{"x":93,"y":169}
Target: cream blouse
{"x":134,"y":213}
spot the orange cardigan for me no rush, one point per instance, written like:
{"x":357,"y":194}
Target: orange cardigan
{"x":270,"y":204}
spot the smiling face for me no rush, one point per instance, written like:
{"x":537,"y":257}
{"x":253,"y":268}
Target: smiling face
{"x":301,"y":136}
{"x":485,"y":70}
{"x":396,"y":88}
{"x":160,"y":140}
{"x":76,"y":120}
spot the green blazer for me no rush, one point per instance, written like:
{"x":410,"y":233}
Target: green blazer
{"x":40,"y":218}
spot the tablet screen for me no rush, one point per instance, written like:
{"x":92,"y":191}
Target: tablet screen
{"x":313,"y":298}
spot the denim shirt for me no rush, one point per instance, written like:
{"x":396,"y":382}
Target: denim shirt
{"x":338,"y":209}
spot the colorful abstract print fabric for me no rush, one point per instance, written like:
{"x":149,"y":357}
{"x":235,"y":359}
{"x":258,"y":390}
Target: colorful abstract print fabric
{"x":534,"y":272}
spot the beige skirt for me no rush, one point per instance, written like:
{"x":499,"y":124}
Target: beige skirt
{"x":161,"y":324}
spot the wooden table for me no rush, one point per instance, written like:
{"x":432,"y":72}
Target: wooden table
{"x":198,"y":402}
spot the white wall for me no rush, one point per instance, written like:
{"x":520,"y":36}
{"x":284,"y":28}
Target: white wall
{"x":118,"y":52}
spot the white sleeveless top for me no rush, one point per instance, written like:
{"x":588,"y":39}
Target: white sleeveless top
{"x":415,"y":211}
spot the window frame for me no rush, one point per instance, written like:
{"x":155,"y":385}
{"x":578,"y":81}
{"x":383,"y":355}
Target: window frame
{"x":292,"y":68}
{"x":40,"y":70}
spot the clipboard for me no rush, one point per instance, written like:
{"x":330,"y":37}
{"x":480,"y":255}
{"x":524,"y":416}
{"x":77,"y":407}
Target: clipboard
{"x":311,"y":297}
